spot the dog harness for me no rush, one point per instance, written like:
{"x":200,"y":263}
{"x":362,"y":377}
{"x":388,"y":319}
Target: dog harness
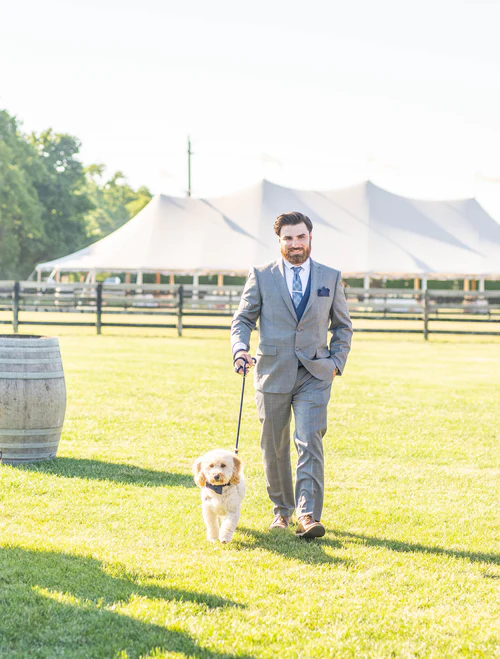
{"x":216,"y":488}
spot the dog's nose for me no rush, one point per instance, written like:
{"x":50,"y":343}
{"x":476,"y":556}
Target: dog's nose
{"x":217,"y":477}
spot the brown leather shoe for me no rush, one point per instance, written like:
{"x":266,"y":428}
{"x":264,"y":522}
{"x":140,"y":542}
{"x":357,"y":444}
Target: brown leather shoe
{"x":307,"y":527}
{"x":280,"y":522}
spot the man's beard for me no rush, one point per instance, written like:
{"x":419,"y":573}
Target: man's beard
{"x":296,"y":256}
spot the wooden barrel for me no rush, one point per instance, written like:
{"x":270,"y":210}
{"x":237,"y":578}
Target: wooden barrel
{"x":32,"y":398}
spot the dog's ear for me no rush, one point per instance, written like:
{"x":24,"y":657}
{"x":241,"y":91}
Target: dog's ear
{"x":235,"y":478}
{"x":199,"y":476}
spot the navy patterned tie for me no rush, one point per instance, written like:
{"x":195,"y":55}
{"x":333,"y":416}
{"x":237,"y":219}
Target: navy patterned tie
{"x":296,"y":286}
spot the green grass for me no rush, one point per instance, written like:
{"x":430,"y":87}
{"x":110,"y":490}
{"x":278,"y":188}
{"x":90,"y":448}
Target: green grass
{"x":103,"y":552}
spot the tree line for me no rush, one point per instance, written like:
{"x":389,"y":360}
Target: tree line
{"x":50,"y":204}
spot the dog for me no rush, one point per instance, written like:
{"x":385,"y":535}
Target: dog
{"x":219,"y":473}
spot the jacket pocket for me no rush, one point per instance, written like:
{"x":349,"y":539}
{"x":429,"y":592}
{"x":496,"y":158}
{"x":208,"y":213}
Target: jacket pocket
{"x":322,"y":353}
{"x":267,"y":350}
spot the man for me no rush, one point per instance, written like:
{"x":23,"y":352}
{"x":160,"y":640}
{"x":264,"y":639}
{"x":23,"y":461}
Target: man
{"x":297,"y":302}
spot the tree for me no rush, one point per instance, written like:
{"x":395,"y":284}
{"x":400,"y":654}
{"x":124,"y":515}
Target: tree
{"x":115,"y":201}
{"x":50,"y":205}
{"x":61,"y":188}
{"x":21,"y":225}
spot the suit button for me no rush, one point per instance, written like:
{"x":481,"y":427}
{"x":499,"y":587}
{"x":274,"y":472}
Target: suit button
{"x":299,"y":329}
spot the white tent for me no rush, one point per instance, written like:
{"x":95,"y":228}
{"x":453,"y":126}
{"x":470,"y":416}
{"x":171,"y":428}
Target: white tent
{"x":362,"y":230}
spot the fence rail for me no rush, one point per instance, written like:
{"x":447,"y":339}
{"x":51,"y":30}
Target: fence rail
{"x":173,"y":306}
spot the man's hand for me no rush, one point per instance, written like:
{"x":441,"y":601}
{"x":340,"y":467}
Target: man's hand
{"x":242,"y":362}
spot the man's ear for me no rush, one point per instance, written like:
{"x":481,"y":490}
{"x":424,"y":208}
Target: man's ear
{"x":199,"y":476}
{"x":237,"y":464}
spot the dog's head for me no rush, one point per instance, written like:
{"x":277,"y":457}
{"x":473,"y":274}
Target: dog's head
{"x":217,"y":467}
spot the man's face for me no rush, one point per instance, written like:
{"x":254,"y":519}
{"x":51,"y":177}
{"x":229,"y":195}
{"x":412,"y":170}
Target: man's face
{"x":295,"y":243}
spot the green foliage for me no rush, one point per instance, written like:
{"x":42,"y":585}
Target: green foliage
{"x":21,"y":225}
{"x":50,"y":205}
{"x":42,"y":198}
{"x":237,"y":281}
{"x":61,"y":191}
{"x":115,"y":202}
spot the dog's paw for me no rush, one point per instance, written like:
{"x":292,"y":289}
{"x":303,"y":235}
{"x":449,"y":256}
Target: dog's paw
{"x":226,"y":538}
{"x":212,"y":538}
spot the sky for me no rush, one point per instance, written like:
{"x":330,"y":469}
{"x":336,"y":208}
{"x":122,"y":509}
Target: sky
{"x":312,"y":95}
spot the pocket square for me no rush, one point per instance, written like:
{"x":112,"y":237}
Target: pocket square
{"x":323,"y":292}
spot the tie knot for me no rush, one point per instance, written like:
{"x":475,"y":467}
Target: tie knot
{"x":296,"y":268}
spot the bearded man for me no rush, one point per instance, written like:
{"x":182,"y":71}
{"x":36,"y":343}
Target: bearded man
{"x":297,"y":301}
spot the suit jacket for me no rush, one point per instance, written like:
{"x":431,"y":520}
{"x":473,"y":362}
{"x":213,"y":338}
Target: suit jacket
{"x":283,"y":340}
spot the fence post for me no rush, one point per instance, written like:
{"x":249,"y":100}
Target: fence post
{"x":180,"y":293}
{"x":15,"y":306}
{"x":426,"y":315}
{"x":99,"y":307}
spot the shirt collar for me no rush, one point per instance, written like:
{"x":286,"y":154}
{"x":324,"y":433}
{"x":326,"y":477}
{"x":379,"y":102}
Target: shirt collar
{"x":306,"y":265}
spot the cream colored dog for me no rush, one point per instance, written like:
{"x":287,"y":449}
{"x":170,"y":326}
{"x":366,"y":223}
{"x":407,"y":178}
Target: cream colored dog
{"x":219,"y":474}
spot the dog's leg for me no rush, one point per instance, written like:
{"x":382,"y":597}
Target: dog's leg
{"x":210,"y":519}
{"x":228,"y":526}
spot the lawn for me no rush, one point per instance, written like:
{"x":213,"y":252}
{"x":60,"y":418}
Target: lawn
{"x":103,"y":552}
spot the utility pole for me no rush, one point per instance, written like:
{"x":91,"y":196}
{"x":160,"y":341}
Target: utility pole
{"x":189,"y":167}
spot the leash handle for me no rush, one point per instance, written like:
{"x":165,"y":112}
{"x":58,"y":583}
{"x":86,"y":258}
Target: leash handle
{"x":244,"y":367}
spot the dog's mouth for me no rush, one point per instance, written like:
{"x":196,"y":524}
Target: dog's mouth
{"x":218,"y":479}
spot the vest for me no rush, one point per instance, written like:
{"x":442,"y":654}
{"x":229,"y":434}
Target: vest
{"x":305,"y":299}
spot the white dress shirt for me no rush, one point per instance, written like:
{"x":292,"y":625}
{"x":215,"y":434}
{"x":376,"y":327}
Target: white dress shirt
{"x":304,"y":278}
{"x":303,"y":274}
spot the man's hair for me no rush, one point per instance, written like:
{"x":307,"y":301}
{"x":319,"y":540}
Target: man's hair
{"x":292,"y":218}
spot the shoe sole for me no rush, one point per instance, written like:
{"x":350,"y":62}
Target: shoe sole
{"x":317,"y":531}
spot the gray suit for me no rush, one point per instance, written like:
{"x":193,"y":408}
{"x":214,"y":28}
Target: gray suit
{"x":294,"y":370}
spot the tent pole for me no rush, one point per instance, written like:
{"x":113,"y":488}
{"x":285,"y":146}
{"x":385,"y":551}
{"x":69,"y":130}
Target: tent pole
{"x":196,"y":282}
{"x":366,"y":286}
{"x":189,"y":167}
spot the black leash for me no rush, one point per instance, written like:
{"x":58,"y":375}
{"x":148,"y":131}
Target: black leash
{"x":244,"y":367}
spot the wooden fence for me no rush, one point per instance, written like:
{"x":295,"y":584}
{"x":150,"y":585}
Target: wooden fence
{"x":182,"y":307}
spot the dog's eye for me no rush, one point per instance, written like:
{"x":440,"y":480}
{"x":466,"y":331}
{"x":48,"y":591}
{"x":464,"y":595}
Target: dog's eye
{"x":223,"y":465}
{"x":211,"y":466}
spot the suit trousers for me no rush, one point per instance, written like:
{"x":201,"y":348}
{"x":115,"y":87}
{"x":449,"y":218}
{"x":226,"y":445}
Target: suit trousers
{"x":308,"y":400}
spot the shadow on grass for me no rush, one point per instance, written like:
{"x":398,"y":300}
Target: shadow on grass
{"x":69,"y":602}
{"x":416,"y":548}
{"x":279,"y":541}
{"x":109,"y":471}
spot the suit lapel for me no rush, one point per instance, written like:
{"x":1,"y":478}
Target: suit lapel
{"x":279,"y":278}
{"x":315,"y":277}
